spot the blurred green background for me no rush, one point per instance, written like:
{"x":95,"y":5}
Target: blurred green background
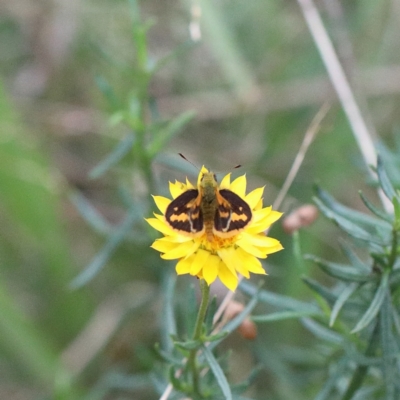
{"x":254,"y":82}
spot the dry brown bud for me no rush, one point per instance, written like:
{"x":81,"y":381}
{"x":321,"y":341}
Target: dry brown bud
{"x":299,"y":218}
{"x":247,"y":329}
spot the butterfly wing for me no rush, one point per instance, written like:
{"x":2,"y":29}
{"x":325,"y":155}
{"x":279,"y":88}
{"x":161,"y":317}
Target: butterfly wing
{"x":232,"y":215}
{"x":184,"y":213}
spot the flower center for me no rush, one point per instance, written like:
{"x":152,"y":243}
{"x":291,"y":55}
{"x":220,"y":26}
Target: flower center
{"x":217,"y":243}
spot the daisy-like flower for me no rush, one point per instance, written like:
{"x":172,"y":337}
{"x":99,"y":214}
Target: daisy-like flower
{"x":226,"y":255}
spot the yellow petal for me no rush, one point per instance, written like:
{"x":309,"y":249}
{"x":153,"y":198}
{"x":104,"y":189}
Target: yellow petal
{"x":272,"y":249}
{"x":180,"y":250}
{"x":272,"y":217}
{"x":231,"y":260}
{"x":199,"y":260}
{"x":189,"y":184}
{"x":162,"y":246}
{"x":227,"y":255}
{"x":250,"y":248}
{"x":254,"y":197}
{"x":239,"y":186}
{"x":183,"y":265}
{"x":259,"y":215}
{"x":202,"y":172}
{"x":226,"y":276}
{"x":250,"y":262}
{"x":259,"y":205}
{"x":226,"y":182}
{"x":210,"y":269}
{"x":176,"y":239}
{"x":240,"y":266}
{"x":176,"y":189}
{"x":260,"y":240}
{"x":262,"y":220}
{"x":162,"y":203}
{"x":160,"y":226}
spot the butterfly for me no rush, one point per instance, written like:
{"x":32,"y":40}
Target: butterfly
{"x":209,"y":210}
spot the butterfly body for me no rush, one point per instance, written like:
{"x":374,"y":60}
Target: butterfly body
{"x":209,"y":210}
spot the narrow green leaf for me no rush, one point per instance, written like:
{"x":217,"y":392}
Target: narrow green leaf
{"x":389,"y":346}
{"x":349,"y":227}
{"x":384,"y":180}
{"x":176,"y":382}
{"x":31,"y":351}
{"x":396,"y":205}
{"x":375,"y":305}
{"x":105,"y":253}
{"x":163,"y":136}
{"x":379,"y":213}
{"x":365,"y":393}
{"x":108,"y":91}
{"x":213,"y":338}
{"x":218,"y":373}
{"x":341,"y":300}
{"x":329,"y":385}
{"x":396,"y":320}
{"x":121,"y":381}
{"x":297,"y":252}
{"x":166,"y":357}
{"x":356,"y":217}
{"x":189,"y":344}
{"x":178,"y":50}
{"x":282,"y":315}
{"x":168,"y":322}
{"x":190,"y":309}
{"x":277,"y":300}
{"x":212,"y":308}
{"x":120,"y":151}
{"x":321,"y":332}
{"x":90,"y":214}
{"x":321,"y":290}
{"x":361,"y":370}
{"x":340,"y":271}
{"x":353,"y":257}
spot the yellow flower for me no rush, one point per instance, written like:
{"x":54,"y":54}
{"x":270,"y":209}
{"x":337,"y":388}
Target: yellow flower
{"x":222,"y":257}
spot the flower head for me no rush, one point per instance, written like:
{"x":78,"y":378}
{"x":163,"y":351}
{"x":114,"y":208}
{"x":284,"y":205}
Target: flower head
{"x":236,"y":239}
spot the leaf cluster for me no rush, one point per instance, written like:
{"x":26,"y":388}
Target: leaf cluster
{"x":362,"y":320}
{"x":181,"y":350}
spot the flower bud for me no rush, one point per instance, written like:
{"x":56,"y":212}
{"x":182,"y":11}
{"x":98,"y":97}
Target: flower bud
{"x":300,"y":217}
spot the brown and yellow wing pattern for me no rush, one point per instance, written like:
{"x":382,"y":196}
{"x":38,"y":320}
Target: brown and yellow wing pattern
{"x":183,"y":214}
{"x":233,"y":214}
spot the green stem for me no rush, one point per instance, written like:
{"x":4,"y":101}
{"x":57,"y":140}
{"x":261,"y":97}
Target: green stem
{"x":205,"y":295}
{"x":361,"y":370}
{"x":393,"y":254}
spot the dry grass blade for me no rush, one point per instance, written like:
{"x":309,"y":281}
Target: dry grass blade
{"x":342,"y":87}
{"x":308,"y":138}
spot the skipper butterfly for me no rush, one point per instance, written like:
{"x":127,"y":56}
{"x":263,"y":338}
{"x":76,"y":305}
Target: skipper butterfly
{"x":209,"y":210}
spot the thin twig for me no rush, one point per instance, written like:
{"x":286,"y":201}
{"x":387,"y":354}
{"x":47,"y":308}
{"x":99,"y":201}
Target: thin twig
{"x":308,"y":138}
{"x":342,"y":87}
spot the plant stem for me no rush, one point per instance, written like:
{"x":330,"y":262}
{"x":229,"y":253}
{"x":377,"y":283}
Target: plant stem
{"x":393,"y":254}
{"x":361,"y":370}
{"x":205,"y":295}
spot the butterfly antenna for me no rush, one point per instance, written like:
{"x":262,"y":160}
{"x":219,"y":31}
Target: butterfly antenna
{"x":189,"y":161}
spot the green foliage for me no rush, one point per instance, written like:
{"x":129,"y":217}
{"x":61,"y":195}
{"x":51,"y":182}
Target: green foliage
{"x":71,"y":327}
{"x":370,"y":328}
